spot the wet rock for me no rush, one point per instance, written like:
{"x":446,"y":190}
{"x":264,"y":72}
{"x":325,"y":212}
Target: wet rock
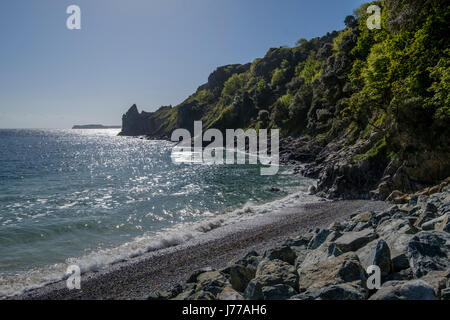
{"x":405,"y":290}
{"x":312,"y":190}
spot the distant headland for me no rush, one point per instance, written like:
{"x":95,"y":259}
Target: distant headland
{"x":95,"y":126}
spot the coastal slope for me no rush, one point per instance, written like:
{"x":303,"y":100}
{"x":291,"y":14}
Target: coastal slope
{"x":368,"y":110}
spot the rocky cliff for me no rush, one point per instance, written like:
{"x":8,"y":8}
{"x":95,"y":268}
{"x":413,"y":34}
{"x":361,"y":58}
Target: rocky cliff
{"x":366,"y":110}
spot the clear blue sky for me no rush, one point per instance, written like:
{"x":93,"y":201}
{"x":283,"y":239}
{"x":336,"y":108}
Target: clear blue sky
{"x":148,"y":52}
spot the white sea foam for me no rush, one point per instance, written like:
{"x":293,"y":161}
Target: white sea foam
{"x":13,"y":284}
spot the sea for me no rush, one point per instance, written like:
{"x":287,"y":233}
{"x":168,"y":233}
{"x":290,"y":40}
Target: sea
{"x":93,"y":198}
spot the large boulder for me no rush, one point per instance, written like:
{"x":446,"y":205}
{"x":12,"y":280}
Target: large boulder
{"x":445,"y":294}
{"x":202,"y":295}
{"x":364,"y":217}
{"x":278,"y":292}
{"x":272,"y":272}
{"x":213,"y":282}
{"x":344,"y":291}
{"x":342,"y":269}
{"x":301,"y":253}
{"x":325,"y":251}
{"x":299,"y":241}
{"x":405,"y":290}
{"x":193,"y":277}
{"x":432,"y":224}
{"x":396,"y":234}
{"x":428,"y":251}
{"x":376,"y":253}
{"x":424,"y":217}
{"x":443,"y":225}
{"x":254,"y":290}
{"x":229,"y":294}
{"x":438,"y":280}
{"x":318,"y":239}
{"x":188,"y":290}
{"x":250,"y":258}
{"x":283,"y":253}
{"x":240,"y":276}
{"x":269,"y":274}
{"x":352,"y":241}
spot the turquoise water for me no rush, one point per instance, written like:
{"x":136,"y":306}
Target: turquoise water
{"x":66,"y":194}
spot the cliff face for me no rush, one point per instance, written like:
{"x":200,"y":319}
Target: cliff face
{"x":133,"y":123}
{"x":161,"y":123}
{"x":144,"y":123}
{"x":367,"y":109}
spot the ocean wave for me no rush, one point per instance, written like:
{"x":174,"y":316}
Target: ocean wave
{"x":20,"y":282}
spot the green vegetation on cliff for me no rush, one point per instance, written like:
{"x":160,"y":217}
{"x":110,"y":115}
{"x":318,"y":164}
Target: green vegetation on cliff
{"x":349,"y":76}
{"x":388,"y":86}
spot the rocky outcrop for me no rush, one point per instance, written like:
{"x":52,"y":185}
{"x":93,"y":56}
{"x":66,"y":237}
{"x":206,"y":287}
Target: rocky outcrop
{"x":332,"y":263}
{"x":144,"y":123}
{"x":362,"y":169}
{"x":161,"y":123}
